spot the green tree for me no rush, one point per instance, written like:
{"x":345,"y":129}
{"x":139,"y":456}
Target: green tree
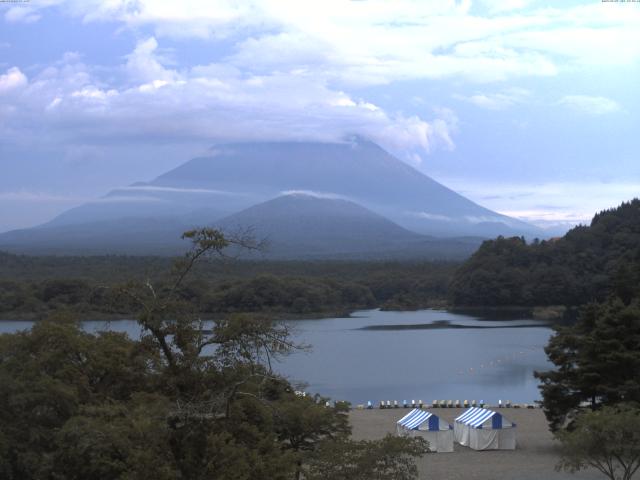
{"x":607,"y":440}
{"x":392,"y":458}
{"x":597,"y":361}
{"x":48,"y":375}
{"x":303,"y":422}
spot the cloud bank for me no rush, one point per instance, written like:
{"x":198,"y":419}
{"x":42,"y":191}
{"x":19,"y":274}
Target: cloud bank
{"x":72,"y":102}
{"x":290,"y":64}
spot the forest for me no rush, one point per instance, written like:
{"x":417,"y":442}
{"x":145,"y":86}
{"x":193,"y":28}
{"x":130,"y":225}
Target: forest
{"x":31,"y":287}
{"x":588,"y":264}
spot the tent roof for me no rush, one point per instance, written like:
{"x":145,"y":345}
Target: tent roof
{"x":415,"y":418}
{"x":475,"y":417}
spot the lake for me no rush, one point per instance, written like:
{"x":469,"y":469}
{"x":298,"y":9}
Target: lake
{"x":425,"y":354}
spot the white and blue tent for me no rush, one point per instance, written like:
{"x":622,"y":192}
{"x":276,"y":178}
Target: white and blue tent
{"x":484,"y":429}
{"x":425,"y":424}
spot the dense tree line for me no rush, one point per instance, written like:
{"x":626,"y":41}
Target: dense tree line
{"x":588,"y":264}
{"x":221,"y":287}
{"x":119,"y":268}
{"x":181,"y":402}
{"x":265,"y":293}
{"x":591,"y":397}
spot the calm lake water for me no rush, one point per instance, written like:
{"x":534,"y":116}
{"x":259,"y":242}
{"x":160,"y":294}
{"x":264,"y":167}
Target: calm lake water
{"x":426,"y":354}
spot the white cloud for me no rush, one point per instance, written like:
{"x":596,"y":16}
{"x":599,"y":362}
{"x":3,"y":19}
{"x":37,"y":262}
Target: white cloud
{"x":91,"y":92}
{"x":497,"y":101}
{"x":590,"y":105}
{"x":72,"y":103}
{"x":485,"y":218}
{"x":431,"y":216}
{"x":546,"y":215}
{"x":126,"y":199}
{"x":145,"y":65}
{"x":315,"y":194}
{"x":501,"y":6}
{"x":22,"y":14}
{"x":405,"y":39}
{"x":154,"y":188}
{"x":13,"y":79}
{"x":548,"y":204}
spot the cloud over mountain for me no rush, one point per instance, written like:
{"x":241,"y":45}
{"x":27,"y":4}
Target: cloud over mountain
{"x":128,"y":88}
{"x":73,"y":102}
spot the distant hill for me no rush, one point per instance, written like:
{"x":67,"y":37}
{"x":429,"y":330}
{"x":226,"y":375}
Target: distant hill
{"x":587,"y":264}
{"x":148,"y":217}
{"x":305,"y":226}
{"x":131,"y":236}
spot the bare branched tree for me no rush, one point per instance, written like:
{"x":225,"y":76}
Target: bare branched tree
{"x":194,"y":347}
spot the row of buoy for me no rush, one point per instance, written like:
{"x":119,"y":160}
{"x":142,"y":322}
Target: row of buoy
{"x":391,"y":404}
{"x":435,"y":404}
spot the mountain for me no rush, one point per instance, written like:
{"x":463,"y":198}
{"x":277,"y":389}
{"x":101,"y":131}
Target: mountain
{"x":148,"y":216}
{"x":306,"y":226}
{"x":359,"y":170}
{"x":294,"y":226}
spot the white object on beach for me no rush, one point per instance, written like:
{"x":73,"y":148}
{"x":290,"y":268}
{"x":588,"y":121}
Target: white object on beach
{"x":422,"y":423}
{"x":484,"y":429}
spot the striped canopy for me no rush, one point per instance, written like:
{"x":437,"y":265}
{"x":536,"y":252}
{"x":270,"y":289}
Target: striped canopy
{"x":475,"y":418}
{"x":415,"y":418}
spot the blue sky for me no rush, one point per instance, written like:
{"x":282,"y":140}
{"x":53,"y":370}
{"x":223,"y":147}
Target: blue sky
{"x":529,"y":108}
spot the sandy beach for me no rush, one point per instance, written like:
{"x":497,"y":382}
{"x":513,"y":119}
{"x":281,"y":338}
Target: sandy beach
{"x":534,"y":459}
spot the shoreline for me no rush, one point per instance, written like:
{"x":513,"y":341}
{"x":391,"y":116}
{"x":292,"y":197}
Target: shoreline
{"x":498,"y":313}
